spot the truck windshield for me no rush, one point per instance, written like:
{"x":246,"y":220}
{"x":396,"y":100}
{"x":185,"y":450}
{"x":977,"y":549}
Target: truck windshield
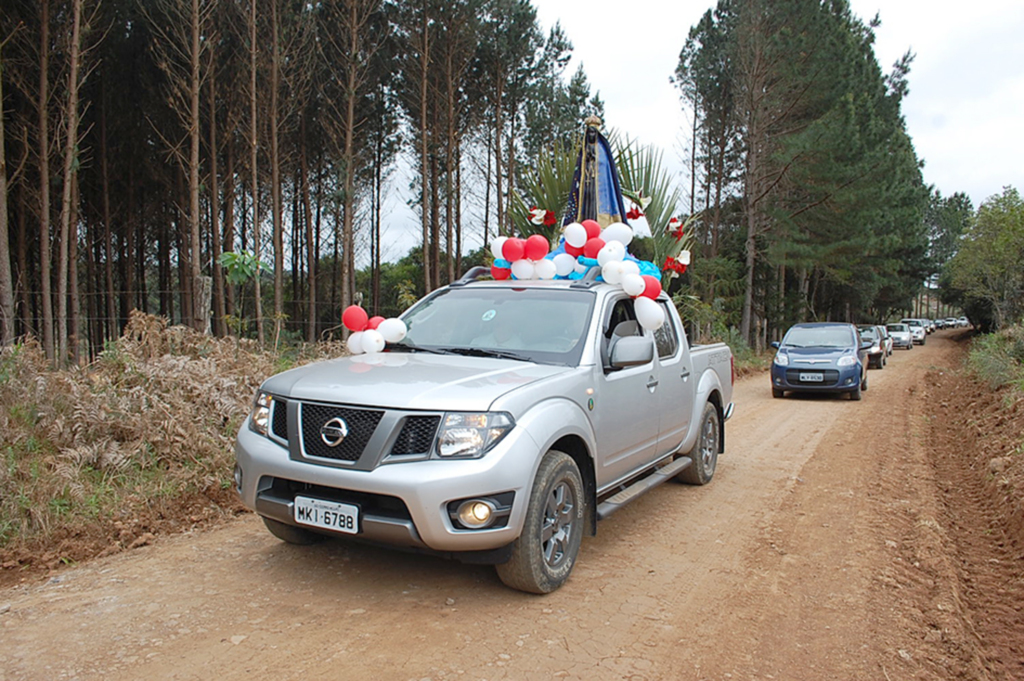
{"x":543,"y":325}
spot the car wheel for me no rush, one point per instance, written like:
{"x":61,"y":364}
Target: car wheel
{"x":864,"y":383}
{"x":705,"y":453}
{"x":546,"y":551}
{"x":776,"y":392}
{"x":855,"y":393}
{"x":290,"y":533}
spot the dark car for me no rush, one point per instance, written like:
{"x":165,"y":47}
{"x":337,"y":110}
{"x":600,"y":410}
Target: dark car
{"x":821,"y":357}
{"x":877,"y":352}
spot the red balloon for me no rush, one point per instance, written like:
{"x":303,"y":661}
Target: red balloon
{"x":513,"y":249}
{"x":592,"y":227}
{"x":573,"y":250}
{"x":536,"y":247}
{"x":652,"y":287}
{"x":354,"y":318}
{"x":374,"y":322}
{"x":500,"y":273}
{"x":593,"y":246}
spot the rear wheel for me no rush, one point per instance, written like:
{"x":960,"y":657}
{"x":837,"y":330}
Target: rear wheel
{"x":546,"y":551}
{"x":705,"y":453}
{"x":290,"y":533}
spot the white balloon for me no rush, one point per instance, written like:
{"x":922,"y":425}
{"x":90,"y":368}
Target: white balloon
{"x":619,"y":232}
{"x":650,"y":315}
{"x":372,"y":341}
{"x":633,"y":284}
{"x":355,"y":343}
{"x":575,"y":235}
{"x":545,"y":269}
{"x":522,"y":269}
{"x":612,"y":272}
{"x":611,"y":251}
{"x":496,"y":247}
{"x":393,"y":330}
{"x":580,"y":267}
{"x":630,"y":267}
{"x":564,"y":264}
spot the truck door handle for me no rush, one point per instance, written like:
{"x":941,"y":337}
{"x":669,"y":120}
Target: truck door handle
{"x":652,"y":383}
{"x":685,"y":374}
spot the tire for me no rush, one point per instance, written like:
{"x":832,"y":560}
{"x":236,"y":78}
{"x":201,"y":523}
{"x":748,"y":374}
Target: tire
{"x":544,"y":554}
{"x":290,"y":533}
{"x":855,"y":394}
{"x":705,"y":452}
{"x":776,"y":392}
{"x":864,"y":383}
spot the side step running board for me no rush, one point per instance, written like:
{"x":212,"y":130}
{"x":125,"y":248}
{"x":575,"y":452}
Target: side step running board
{"x":646,"y":484}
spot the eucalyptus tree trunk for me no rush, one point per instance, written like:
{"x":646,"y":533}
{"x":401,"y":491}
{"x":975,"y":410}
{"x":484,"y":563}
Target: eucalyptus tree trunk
{"x":44,"y":180}
{"x":253,"y":151}
{"x":6,"y":283}
{"x":218,"y":274}
{"x":200,"y":308}
{"x":424,"y":48}
{"x":70,"y":144}
{"x":275,"y":166}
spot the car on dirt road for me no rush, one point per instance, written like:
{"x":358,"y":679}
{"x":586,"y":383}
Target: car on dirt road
{"x":512,"y":417}
{"x":918,"y":329}
{"x":901,"y":335}
{"x":877,"y":353}
{"x":821,"y":357}
{"x":886,"y":339}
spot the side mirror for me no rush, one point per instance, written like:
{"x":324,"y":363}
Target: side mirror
{"x":776,"y":344}
{"x":632,"y":351}
{"x":865,"y":344}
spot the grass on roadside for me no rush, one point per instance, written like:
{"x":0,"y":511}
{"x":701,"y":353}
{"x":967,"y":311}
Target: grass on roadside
{"x":91,"y":450}
{"x":998,"y":358}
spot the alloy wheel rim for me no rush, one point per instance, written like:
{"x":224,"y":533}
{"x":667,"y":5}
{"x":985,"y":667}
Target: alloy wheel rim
{"x":557,"y":528}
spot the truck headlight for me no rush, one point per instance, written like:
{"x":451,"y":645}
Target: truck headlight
{"x":471,"y":435}
{"x":782,"y":359}
{"x":259,"y":418}
{"x":846,"y":361}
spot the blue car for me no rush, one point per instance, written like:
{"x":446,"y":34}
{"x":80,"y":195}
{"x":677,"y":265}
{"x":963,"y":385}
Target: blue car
{"x":821,"y":357}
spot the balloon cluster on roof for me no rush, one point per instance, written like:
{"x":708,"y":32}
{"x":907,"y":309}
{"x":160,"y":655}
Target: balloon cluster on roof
{"x":585,"y":245}
{"x":370,"y":334}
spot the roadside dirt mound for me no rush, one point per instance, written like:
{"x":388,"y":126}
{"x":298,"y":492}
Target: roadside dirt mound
{"x":976,"y":441}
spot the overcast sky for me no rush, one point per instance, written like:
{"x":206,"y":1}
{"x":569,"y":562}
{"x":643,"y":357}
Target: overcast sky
{"x":965,"y":110}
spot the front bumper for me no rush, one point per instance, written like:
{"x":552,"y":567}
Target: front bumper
{"x":834,"y":379}
{"x":401,"y":504}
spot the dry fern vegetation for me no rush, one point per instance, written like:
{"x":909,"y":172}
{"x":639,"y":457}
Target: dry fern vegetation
{"x":99,"y":458}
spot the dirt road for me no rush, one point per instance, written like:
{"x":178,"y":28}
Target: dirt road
{"x":818,"y":552}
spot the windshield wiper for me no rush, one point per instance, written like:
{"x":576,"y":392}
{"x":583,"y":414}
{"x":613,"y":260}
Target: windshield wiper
{"x":480,"y":352}
{"x":408,"y":347}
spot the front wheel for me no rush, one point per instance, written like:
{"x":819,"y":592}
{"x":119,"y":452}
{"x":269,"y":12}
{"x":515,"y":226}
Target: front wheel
{"x":705,"y":453}
{"x":778,"y":392}
{"x":546,"y":551}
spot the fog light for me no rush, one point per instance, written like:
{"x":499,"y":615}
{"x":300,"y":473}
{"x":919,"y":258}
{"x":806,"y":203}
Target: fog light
{"x":476,"y":513}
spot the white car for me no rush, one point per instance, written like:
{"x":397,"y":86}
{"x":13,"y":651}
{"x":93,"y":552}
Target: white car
{"x":901,"y":336}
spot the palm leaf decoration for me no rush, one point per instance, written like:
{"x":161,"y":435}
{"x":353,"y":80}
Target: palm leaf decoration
{"x":547,"y":187}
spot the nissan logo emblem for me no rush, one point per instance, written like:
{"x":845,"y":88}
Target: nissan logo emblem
{"x":334,"y":432}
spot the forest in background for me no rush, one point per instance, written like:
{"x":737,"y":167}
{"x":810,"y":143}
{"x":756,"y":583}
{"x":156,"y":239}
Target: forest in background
{"x":144,"y":140}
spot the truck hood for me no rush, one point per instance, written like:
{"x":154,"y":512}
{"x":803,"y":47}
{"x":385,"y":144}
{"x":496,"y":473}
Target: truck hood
{"x":409,"y":381}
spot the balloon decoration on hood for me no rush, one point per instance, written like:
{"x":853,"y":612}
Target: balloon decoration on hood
{"x":370,"y":334}
{"x":582,"y":246}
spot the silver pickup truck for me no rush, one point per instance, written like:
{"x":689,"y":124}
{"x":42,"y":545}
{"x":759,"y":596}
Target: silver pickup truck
{"x":512,"y":417}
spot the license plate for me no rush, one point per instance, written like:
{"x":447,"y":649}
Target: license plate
{"x":812,"y":377}
{"x":328,"y":515}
